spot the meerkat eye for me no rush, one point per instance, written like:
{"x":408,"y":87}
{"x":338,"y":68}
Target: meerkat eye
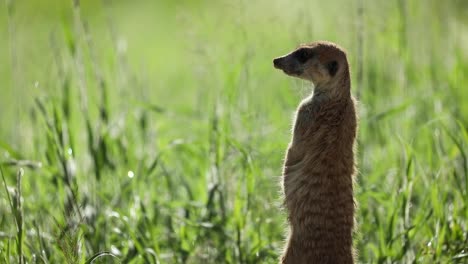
{"x":332,"y":67}
{"x":302,"y":55}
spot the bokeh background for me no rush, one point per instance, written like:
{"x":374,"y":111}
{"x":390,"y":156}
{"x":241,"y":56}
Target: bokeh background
{"x":154,"y":131}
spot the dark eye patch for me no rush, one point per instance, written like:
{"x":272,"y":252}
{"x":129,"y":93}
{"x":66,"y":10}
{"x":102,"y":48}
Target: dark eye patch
{"x":332,"y":67}
{"x":303,"y":55}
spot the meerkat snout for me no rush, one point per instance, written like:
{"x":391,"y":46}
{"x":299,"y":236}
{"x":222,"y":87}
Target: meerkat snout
{"x":289,"y":65}
{"x":279,"y":63}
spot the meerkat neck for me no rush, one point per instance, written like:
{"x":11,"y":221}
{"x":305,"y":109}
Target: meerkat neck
{"x":330,"y":91}
{"x":322,"y":94}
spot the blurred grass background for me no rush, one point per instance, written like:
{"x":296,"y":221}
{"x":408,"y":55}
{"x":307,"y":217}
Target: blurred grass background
{"x":154,"y":131}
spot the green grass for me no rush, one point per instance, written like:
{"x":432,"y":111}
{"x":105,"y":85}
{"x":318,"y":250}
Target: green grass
{"x":155,"y":132}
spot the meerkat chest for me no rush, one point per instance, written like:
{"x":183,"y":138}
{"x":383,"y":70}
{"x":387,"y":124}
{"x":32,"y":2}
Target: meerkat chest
{"x":303,"y":120}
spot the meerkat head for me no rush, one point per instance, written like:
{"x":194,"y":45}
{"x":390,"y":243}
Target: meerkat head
{"x":322,"y":63}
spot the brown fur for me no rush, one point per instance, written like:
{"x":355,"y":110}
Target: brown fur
{"x":319,"y":166}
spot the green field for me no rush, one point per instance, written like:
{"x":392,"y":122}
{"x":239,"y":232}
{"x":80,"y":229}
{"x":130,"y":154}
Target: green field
{"x":155,"y":131}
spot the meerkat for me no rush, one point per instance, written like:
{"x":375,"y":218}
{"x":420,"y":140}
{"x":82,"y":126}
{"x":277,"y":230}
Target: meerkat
{"x":319,"y":166}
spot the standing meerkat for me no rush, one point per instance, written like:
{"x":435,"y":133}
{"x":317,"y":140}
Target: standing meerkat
{"x":319,"y":166}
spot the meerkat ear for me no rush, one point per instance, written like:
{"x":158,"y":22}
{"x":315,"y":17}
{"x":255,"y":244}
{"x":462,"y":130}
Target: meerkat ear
{"x":332,"y":67}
